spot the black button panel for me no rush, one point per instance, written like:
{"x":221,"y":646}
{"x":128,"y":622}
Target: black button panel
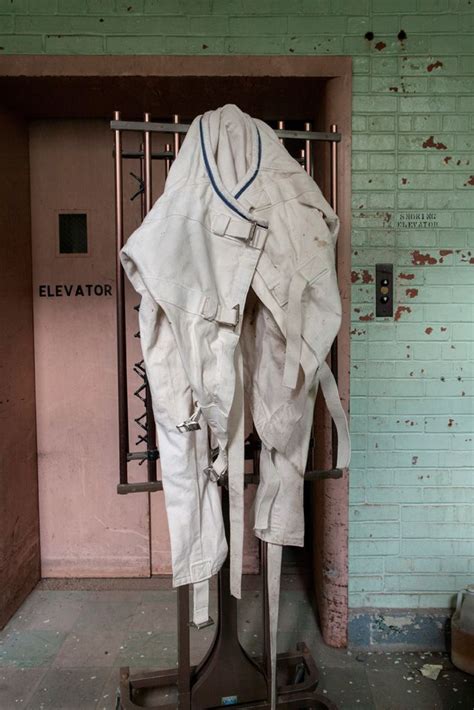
{"x":384,"y":290}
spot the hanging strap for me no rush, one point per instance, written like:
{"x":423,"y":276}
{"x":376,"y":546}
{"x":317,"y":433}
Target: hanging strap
{"x":236,"y":465}
{"x":274,"y":554}
{"x":294,"y":317}
{"x":333,"y":402}
{"x":201,"y":604}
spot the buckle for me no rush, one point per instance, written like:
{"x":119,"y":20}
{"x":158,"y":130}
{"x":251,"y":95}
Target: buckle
{"x":204,"y":624}
{"x":187,"y":426}
{"x":253,"y":229}
{"x":211,"y":474}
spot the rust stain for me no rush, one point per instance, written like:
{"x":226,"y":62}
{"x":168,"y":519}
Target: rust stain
{"x":354,"y":277}
{"x":428,"y":331}
{"x":471,"y":260}
{"x":369,"y":316}
{"x":356,"y":331}
{"x":470,"y":181}
{"x":409,"y":277}
{"x":445,"y":252}
{"x":430,"y":143}
{"x":380,"y":46}
{"x":434,"y":65}
{"x":411,"y":292}
{"x":447,"y":159}
{"x":400,"y":310}
{"x":367,"y":277}
{"x":422,"y":259}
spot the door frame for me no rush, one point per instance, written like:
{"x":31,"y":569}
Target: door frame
{"x":34,"y":83}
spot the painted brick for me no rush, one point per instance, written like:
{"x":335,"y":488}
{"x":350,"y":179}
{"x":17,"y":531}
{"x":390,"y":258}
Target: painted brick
{"x":399,"y":164}
{"x":74,"y":44}
{"x":257,"y":26}
{"x":316,"y":25}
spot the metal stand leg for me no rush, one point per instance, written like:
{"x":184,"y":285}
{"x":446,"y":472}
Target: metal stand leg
{"x":227,"y":675}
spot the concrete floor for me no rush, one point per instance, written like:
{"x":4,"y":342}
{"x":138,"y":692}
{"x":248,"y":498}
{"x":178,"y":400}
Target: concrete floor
{"x":63,"y":648}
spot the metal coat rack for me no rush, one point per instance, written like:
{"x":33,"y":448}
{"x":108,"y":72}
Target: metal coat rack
{"x":226,"y":675}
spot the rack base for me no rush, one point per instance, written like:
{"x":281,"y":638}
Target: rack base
{"x":135,"y":688}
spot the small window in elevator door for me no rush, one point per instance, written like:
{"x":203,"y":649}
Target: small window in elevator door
{"x":72,"y":233}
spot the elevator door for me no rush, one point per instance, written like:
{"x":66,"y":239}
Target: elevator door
{"x":87,"y":530}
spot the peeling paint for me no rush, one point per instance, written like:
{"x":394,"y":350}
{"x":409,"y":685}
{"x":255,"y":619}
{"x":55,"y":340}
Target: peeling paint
{"x":400,"y":310}
{"x":430,"y":143}
{"x":447,"y":159}
{"x":420,"y":259}
{"x":404,"y":181}
{"x":409,"y":277}
{"x":414,"y":460}
{"x":428,"y":331}
{"x":411,"y":292}
{"x":470,"y":181}
{"x":380,"y":46}
{"x":434,"y":65}
{"x":369,"y":316}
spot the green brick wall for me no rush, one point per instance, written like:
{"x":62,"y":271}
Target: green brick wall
{"x":412,"y":479}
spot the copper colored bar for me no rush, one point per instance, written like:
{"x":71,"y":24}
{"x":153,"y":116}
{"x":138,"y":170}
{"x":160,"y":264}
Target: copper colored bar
{"x":147,"y":156}
{"x":150,"y":419}
{"x":334,"y":170}
{"x":307,"y":152}
{"x":281,"y":127}
{"x":167,"y":160}
{"x":334,"y":351}
{"x":120,"y":308}
{"x":176,"y":136}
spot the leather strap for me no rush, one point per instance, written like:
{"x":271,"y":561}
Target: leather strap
{"x":333,"y":402}
{"x":236,"y":466}
{"x":274,"y":555}
{"x":201,"y":603}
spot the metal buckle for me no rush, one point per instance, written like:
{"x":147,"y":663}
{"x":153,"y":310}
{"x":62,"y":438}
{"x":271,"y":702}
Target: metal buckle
{"x":187,"y":426}
{"x":253,"y":229}
{"x":204,"y":624}
{"x":211,"y":474}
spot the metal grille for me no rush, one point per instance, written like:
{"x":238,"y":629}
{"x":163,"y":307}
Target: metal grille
{"x":73,"y":233}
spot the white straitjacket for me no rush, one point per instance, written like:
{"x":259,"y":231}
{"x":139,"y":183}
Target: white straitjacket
{"x":235,"y":264}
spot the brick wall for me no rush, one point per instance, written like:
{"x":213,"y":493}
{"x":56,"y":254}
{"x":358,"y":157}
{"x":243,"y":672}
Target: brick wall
{"x":412,"y":479}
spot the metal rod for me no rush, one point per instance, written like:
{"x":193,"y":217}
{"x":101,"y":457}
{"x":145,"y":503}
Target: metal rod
{"x":150,"y":419}
{"x":334,"y":169}
{"x":184,"y":658}
{"x":120,"y":310}
{"x":184,"y":127}
{"x":168,"y":159}
{"x":307,"y":151}
{"x":334,"y":348}
{"x":176,"y":135}
{"x":281,"y":127}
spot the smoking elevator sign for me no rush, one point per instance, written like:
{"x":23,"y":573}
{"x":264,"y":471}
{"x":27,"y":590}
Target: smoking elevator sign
{"x":73,"y":290}
{"x":417,"y":219}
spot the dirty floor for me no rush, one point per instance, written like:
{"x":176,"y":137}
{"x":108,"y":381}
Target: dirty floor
{"x":63,"y":648}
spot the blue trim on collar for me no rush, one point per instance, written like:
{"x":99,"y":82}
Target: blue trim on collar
{"x":211,"y":176}
{"x":250,"y":181}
